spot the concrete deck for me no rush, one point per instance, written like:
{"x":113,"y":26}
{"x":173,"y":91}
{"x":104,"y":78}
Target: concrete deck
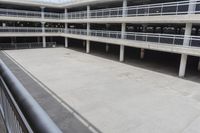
{"x":64,"y":118}
{"x":115,"y":97}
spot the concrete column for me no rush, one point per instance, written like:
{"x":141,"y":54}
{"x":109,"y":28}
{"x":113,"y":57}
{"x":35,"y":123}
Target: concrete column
{"x":107,"y":48}
{"x":142,"y":53}
{"x":66,"y":13}
{"x":44,"y":41}
{"x":192,"y":6}
{"x":66,"y":39}
{"x":124,"y":13}
{"x":186,"y":42}
{"x":42,"y":12}
{"x":121,"y":59}
{"x":88,"y":31}
{"x":123,"y":30}
{"x":43,"y":37}
{"x":183,"y":65}
{"x":87,"y":46}
{"x":199,"y":65}
{"x":88,"y":11}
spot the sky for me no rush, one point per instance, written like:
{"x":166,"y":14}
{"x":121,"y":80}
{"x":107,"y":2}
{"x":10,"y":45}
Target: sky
{"x":53,"y":1}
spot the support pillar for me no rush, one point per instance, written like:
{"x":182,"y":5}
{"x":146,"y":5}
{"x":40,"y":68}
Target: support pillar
{"x":42,"y":12}
{"x":123,"y":30}
{"x":121,"y":53}
{"x":87,"y":46}
{"x":66,"y":39}
{"x":122,"y":49}
{"x":44,"y":42}
{"x":107,"y":48}
{"x":199,"y":65}
{"x":43,"y":37}
{"x":183,"y":65}
{"x":88,"y":31}
{"x":142,"y":53}
{"x":186,"y":42}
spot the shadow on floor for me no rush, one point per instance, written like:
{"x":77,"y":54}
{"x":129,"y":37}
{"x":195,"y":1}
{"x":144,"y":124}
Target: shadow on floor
{"x":166,"y":63}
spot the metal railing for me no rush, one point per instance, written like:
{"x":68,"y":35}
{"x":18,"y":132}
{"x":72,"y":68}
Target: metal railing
{"x":21,"y":113}
{"x":49,"y":15}
{"x":163,"y":38}
{"x":77,"y":15}
{"x":28,"y":45}
{"x":54,"y":30}
{"x":76,"y":31}
{"x":31,"y":30}
{"x":138,"y":36}
{"x":170,"y":8}
{"x":159,"y":9}
{"x":110,"y":34}
{"x":20,"y":29}
{"x":20,"y":13}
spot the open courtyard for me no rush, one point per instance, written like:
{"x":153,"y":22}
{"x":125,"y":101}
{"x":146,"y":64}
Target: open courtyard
{"x":114,"y":97}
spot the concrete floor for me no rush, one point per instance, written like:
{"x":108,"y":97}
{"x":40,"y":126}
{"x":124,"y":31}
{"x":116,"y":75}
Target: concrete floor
{"x":116,"y":97}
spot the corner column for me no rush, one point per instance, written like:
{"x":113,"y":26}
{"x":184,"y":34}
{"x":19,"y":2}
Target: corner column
{"x":88,"y":31}
{"x":123,"y":30}
{"x":186,"y":42}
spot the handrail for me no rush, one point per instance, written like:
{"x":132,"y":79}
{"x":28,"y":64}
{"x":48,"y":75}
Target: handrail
{"x":36,"y":117}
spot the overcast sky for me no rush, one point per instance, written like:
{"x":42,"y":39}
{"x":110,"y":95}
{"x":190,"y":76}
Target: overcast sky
{"x":54,"y":1}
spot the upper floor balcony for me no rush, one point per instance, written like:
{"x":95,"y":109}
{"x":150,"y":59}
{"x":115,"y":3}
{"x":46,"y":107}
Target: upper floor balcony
{"x":156,"y":41}
{"x":159,"y":9}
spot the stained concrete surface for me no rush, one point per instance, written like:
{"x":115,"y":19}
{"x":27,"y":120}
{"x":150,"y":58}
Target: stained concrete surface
{"x":116,"y":97}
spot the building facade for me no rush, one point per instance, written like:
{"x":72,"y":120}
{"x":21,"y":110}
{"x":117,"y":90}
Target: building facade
{"x":160,"y":25}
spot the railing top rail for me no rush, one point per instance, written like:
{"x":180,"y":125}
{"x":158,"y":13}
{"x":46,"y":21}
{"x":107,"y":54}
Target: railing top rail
{"x":20,"y":11}
{"x":37,"y":118}
{"x":165,"y":4}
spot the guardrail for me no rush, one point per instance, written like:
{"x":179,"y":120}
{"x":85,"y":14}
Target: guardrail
{"x":31,"y":29}
{"x":138,"y":36}
{"x":76,"y":31}
{"x":20,"y":13}
{"x":159,"y":9}
{"x":28,"y":45}
{"x":21,"y":113}
{"x":20,"y":29}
